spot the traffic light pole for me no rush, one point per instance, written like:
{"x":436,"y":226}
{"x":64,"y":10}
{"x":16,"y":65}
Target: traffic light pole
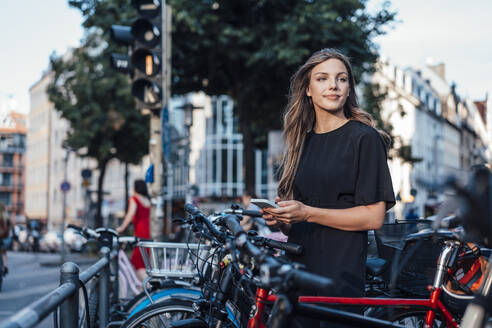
{"x":149,"y":37}
{"x":155,"y":142}
{"x":155,"y":149}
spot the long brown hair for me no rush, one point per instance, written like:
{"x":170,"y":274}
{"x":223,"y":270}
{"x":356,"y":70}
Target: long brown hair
{"x":299,"y":115}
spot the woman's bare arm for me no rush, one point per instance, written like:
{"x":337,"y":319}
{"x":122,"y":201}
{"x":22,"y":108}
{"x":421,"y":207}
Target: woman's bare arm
{"x":132,"y":209}
{"x":363,"y":217}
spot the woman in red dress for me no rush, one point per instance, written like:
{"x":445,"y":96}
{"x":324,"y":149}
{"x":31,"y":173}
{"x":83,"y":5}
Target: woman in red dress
{"x":139,"y":211}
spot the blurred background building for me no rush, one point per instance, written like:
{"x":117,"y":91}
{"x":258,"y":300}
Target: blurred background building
{"x":446,"y":134}
{"x":46,"y":164}
{"x":12,"y":163}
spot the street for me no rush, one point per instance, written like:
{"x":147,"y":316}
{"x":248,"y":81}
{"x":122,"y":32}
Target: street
{"x":31,"y":276}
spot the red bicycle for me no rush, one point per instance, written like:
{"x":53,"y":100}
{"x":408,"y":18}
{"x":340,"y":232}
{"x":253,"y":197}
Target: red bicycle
{"x":410,"y":312}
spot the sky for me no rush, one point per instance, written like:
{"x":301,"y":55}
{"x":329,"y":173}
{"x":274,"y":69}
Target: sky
{"x":30,"y":30}
{"x":455,"y":32}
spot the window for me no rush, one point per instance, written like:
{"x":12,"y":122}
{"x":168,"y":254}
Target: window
{"x":6,"y":198}
{"x":8,"y":160}
{"x":6,"y":179}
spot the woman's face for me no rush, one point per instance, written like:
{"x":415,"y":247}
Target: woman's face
{"x":329,"y":85}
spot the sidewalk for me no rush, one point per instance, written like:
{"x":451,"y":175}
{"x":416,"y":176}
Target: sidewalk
{"x":50,"y":260}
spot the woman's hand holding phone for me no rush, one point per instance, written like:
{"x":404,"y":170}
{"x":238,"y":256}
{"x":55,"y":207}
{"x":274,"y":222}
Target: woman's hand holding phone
{"x":272,"y":221}
{"x":288,"y":212}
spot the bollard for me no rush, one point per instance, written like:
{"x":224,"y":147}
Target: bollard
{"x":69,"y":309}
{"x":104,"y":290}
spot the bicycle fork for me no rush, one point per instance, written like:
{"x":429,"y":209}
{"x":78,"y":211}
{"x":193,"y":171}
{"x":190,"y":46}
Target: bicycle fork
{"x":446,"y":258}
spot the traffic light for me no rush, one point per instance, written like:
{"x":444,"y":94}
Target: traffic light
{"x":145,"y":60}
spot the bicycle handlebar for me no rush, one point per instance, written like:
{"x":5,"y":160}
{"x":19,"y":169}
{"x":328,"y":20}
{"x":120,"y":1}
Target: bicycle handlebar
{"x":193,"y":211}
{"x":233,"y":225}
{"x":87,"y":232}
{"x":297,"y":277}
{"x":95,"y":234}
{"x":285,"y":246}
{"x":452,"y":221}
{"x":430,"y":233}
{"x":310,"y":280}
{"x":129,"y":239}
{"x":241,"y":211}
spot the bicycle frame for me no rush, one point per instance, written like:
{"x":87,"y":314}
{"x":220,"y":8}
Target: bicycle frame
{"x":432,"y":304}
{"x":127,"y":271}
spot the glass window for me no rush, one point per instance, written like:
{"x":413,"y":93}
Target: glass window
{"x":8,"y":160}
{"x":6,"y":198}
{"x":6,"y":179}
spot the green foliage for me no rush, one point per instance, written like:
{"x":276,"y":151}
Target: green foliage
{"x":249,"y":49}
{"x":95,"y":99}
{"x":373,"y":96}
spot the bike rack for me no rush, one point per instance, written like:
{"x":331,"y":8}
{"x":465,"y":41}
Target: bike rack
{"x":66,"y":296}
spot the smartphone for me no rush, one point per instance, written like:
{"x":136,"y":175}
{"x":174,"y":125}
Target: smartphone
{"x":263,"y":203}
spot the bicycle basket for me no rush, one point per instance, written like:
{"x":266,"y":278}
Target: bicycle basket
{"x":173,"y":260}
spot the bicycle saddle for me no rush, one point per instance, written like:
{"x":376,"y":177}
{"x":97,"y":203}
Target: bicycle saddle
{"x":376,"y":266}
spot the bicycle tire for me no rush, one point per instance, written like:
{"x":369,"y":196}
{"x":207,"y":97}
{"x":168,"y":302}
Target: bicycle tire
{"x":93,"y":305}
{"x":141,"y":301}
{"x":409,"y":317}
{"x":173,"y":310}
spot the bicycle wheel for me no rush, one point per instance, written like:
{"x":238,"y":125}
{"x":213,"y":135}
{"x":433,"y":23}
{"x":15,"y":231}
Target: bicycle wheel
{"x":156,"y":315}
{"x":410,"y":317}
{"x":141,"y":301}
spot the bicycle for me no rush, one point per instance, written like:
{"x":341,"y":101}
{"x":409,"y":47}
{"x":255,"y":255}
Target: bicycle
{"x":234,"y":280}
{"x":407,"y":308}
{"x":160,"y":312}
{"x":475,"y":204}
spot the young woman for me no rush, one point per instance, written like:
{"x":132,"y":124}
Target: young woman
{"x":139,"y":212}
{"x":335,"y":183}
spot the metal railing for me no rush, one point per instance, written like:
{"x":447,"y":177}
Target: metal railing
{"x":66,"y":296}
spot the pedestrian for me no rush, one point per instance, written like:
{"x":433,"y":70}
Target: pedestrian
{"x":139,"y":213}
{"x":5,"y":237}
{"x":335,"y":183}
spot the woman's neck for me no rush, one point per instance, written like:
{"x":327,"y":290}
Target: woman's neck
{"x":329,"y":121}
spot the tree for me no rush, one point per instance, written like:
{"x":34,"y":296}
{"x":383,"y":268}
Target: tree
{"x":249,"y":49}
{"x":373,"y":96}
{"x":95,"y":99}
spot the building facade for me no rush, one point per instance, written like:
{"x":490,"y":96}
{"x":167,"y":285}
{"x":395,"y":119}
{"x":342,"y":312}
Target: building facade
{"x":49,"y":163}
{"x":442,"y":130}
{"x":12,"y":164}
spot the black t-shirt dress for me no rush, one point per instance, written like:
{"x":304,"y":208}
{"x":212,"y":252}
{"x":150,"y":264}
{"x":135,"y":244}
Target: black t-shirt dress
{"x":343,"y":168}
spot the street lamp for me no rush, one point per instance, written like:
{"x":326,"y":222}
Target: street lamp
{"x":188,"y":109}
